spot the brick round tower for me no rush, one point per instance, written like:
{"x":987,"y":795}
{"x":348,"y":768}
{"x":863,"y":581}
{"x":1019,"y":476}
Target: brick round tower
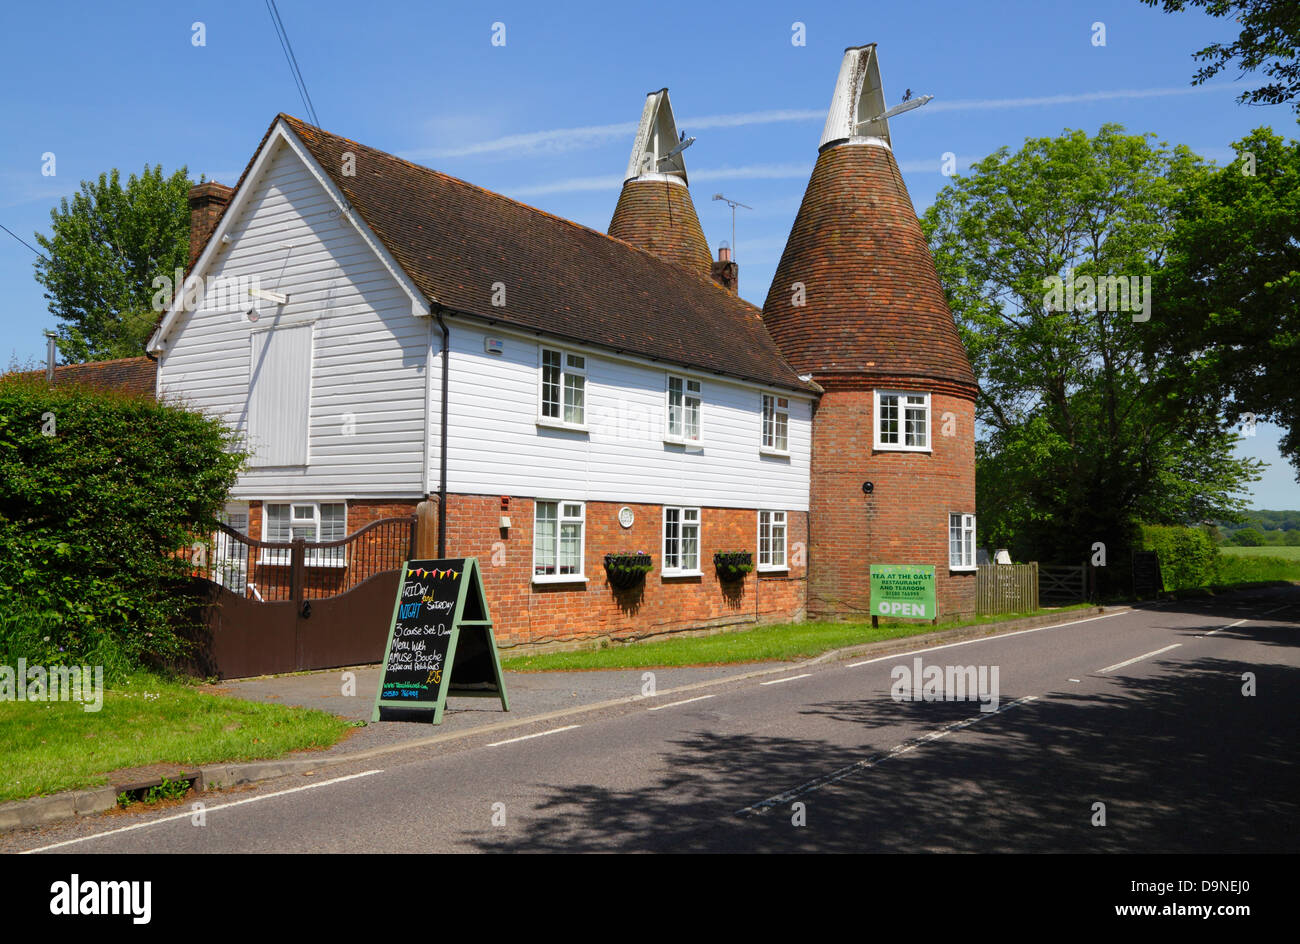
{"x":654,"y":210}
{"x":856,"y":303}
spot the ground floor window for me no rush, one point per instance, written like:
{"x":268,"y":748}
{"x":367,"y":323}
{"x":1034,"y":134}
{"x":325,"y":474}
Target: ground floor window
{"x":681,"y":541}
{"x":313,"y":522}
{"x":771,"y":540}
{"x":558,"y":539}
{"x":961,"y":541}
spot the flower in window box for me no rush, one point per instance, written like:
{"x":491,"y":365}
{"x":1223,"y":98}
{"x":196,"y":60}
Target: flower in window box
{"x":733,"y":565}
{"x":624,"y":570}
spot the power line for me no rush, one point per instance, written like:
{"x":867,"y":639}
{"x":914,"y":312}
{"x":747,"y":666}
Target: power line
{"x":283,"y":35}
{"x":23,"y":241}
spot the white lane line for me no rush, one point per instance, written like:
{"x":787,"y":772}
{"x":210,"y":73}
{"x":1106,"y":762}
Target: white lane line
{"x":907,"y":746}
{"x":967,"y":642}
{"x":1076,"y":680}
{"x":1222,"y":628}
{"x":1145,"y":655}
{"x":526,"y":737}
{"x":788,"y":679}
{"x":211,"y":809}
{"x":686,"y":701}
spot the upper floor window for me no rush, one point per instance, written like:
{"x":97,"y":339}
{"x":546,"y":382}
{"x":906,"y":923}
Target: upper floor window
{"x":564,"y":388}
{"x":776,"y":423}
{"x":684,"y":398}
{"x":681,"y":541}
{"x":961,"y":542}
{"x":902,"y":420}
{"x":558,"y":540}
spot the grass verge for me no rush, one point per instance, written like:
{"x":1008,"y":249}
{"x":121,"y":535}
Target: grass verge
{"x":780,"y":643}
{"x":144,"y":720}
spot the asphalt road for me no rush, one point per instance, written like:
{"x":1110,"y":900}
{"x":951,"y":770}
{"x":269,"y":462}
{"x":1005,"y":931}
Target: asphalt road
{"x":1143,"y":711}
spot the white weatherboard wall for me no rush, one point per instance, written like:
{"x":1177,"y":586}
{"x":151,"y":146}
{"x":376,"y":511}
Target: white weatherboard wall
{"x":498,"y":448}
{"x":366,"y":425}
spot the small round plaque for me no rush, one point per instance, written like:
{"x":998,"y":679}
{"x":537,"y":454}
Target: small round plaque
{"x":625,"y":516}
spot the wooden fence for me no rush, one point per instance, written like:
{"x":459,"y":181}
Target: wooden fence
{"x":1006,"y":588}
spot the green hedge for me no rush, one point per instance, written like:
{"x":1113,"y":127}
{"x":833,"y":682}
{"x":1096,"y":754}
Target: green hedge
{"x":1188,"y":557}
{"x":98,"y":490}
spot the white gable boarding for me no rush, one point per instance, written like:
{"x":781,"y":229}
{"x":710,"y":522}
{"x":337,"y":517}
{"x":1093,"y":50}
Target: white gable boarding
{"x":337,"y":375}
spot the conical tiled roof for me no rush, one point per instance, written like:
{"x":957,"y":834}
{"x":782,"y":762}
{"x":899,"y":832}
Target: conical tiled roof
{"x":654,"y":210}
{"x":873,"y":303}
{"x":659,"y":217}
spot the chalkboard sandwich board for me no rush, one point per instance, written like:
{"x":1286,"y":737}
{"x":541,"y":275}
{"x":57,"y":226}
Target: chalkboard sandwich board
{"x":440,"y":642}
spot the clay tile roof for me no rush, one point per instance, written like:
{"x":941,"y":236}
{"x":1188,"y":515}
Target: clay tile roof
{"x":455,"y":240}
{"x":874,"y":303}
{"x":660,"y":218}
{"x":128,"y":374}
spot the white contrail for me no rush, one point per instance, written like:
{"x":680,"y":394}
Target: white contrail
{"x":560,"y":140}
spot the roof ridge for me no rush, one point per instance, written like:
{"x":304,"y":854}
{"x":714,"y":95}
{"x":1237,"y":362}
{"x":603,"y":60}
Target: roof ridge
{"x":527,"y":206}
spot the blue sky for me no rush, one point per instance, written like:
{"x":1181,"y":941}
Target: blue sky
{"x":548,"y":118}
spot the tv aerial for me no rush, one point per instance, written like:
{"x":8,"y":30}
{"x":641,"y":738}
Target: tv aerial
{"x":733,"y":204}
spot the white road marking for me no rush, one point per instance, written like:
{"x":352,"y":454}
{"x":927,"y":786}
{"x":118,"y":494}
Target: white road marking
{"x":789,"y":679}
{"x":1145,"y":655}
{"x":909,"y":745}
{"x":1075,"y":680}
{"x":210,"y":809}
{"x":967,"y":642}
{"x":567,"y":727}
{"x":1222,"y":628}
{"x":674,"y":704}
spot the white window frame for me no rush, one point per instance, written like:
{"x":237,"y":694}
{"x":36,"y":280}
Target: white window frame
{"x":903,"y":408}
{"x":768,"y":437}
{"x":332,"y":557}
{"x":567,"y":370}
{"x":678,"y":570}
{"x":967,"y":553}
{"x":560,"y":520}
{"x":769,"y":566}
{"x":683,"y":435}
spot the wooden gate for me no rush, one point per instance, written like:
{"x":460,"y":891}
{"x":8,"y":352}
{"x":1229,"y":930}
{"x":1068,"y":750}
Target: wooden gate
{"x":274,"y":607}
{"x":1061,"y":585}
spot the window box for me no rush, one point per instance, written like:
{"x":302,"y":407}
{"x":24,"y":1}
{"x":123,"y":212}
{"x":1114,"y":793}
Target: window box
{"x":733,"y":565}
{"x":624,"y":571}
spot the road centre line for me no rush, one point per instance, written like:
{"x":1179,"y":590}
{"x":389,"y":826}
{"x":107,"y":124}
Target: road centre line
{"x":526,"y":737}
{"x":1145,"y":655}
{"x":788,"y":679}
{"x":907,"y":746}
{"x":1222,"y":628}
{"x":686,"y":701}
{"x":967,"y":642}
{"x":207,"y":809}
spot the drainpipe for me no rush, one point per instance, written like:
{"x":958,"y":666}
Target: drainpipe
{"x":442,"y":439}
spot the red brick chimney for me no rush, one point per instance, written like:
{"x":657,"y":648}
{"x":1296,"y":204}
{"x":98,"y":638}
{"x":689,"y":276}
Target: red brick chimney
{"x":725,"y":272}
{"x":207,"y":202}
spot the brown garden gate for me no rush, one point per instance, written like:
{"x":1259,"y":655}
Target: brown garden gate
{"x":274,"y":607}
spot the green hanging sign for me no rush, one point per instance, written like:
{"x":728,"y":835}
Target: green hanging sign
{"x":440,"y":641}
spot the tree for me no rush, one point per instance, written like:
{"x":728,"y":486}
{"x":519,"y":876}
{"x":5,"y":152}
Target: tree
{"x":1248,"y":537}
{"x":1228,"y":300}
{"x":1269,"y":38}
{"x":103,"y":253}
{"x":1080,"y":436}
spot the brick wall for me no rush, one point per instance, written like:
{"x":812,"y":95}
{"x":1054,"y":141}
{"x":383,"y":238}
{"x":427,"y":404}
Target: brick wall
{"x":540,"y":614}
{"x":905,"y":519}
